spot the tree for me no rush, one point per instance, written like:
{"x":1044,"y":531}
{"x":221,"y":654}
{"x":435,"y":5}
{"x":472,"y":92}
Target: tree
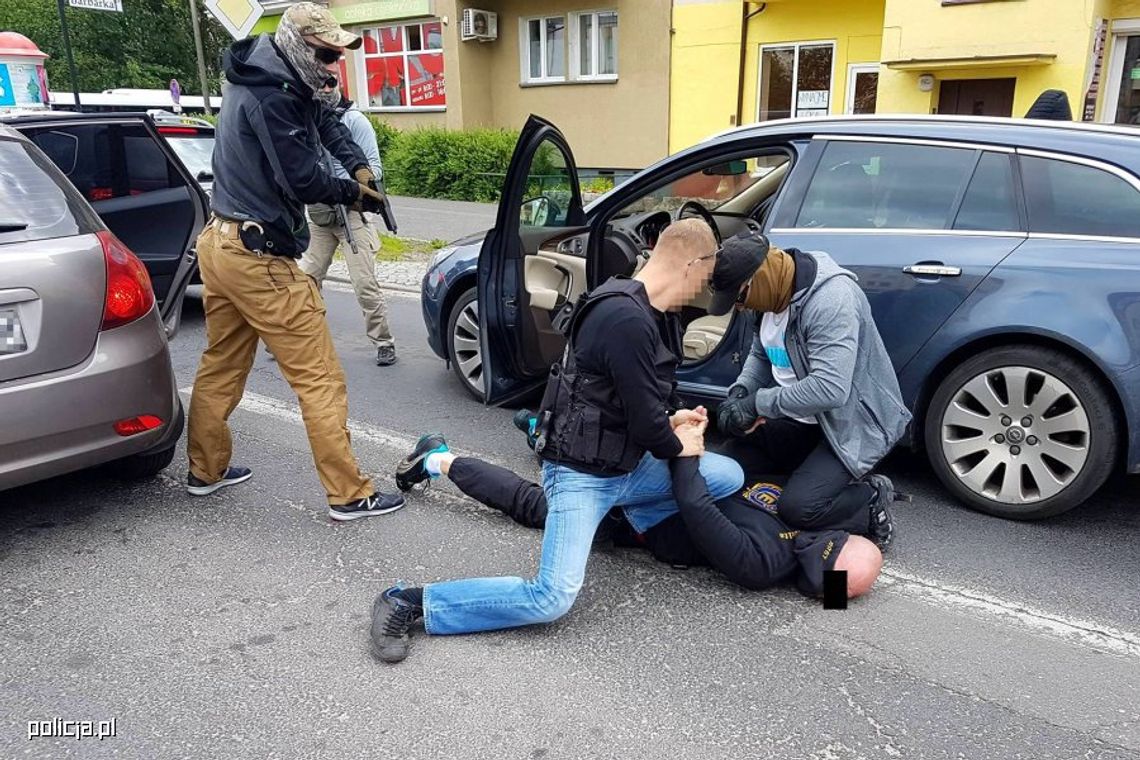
{"x":145,"y":46}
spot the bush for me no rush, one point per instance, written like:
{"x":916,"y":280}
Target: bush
{"x":436,"y":163}
{"x":386,"y":134}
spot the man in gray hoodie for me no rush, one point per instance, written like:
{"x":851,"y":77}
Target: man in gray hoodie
{"x":817,"y":398}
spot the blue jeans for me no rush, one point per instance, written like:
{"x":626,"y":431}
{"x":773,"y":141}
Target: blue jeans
{"x":577,"y":503}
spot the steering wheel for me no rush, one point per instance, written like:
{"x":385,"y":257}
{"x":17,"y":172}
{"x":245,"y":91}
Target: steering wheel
{"x":700,"y":211}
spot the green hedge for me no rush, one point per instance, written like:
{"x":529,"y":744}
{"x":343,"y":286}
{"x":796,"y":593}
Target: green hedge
{"x":437,"y":163}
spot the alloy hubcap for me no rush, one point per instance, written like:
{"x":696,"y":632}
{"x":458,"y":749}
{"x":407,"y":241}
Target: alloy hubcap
{"x":465,"y":339}
{"x":1015,"y":435}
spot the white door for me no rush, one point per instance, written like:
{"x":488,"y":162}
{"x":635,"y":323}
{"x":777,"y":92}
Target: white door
{"x":862,"y":87}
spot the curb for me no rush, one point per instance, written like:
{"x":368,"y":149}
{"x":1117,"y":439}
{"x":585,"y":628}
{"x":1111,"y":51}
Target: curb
{"x":383,"y":285}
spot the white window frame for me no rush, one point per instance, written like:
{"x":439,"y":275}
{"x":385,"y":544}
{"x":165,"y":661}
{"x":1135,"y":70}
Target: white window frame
{"x":796,"y":72}
{"x":524,"y":48}
{"x":595,"y":39}
{"x":853,"y":70}
{"x":361,"y":66}
{"x":1122,"y":29}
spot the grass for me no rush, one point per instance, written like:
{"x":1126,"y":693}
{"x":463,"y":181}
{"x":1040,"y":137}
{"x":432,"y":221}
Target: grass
{"x":393,"y":248}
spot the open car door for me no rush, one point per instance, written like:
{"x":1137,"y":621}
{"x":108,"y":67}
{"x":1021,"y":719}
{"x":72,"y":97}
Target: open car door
{"x":531,"y":263}
{"x":137,"y":186}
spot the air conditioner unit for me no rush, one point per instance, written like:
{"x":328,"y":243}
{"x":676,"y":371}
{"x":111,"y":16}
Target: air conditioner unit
{"x":479,"y":25}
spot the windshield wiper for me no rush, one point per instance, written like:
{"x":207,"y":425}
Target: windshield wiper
{"x":12,"y":226}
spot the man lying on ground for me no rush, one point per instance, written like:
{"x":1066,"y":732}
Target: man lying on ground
{"x":740,"y":535}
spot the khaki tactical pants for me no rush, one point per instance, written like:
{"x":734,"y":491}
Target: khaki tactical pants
{"x":361,"y":269}
{"x":247,"y":296}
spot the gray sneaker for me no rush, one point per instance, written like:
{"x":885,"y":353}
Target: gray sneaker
{"x":385,"y":356}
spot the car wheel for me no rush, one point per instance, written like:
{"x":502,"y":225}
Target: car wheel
{"x":142,"y":466}
{"x":1021,"y":432}
{"x":463,"y":346}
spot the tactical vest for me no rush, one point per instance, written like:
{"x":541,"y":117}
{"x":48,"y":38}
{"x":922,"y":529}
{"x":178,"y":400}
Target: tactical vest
{"x":571,"y":419}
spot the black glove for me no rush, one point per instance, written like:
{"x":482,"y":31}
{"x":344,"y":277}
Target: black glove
{"x":737,"y":413}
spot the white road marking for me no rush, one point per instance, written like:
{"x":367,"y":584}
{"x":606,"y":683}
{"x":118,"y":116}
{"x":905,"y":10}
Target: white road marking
{"x":1087,"y":633}
{"x":287,"y":411}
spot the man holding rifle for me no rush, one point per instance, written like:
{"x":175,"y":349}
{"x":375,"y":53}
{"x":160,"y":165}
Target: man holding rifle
{"x":330,"y":226}
{"x":267,"y":167}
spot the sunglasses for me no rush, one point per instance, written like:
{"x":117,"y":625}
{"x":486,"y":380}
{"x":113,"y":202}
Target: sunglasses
{"x":326,"y":55}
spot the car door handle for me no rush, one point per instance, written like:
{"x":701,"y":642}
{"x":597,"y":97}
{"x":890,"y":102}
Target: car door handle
{"x":933,"y":270}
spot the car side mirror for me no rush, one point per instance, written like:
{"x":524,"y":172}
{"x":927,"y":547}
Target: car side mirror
{"x":535,"y":212}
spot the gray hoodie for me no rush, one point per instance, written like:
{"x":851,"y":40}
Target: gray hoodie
{"x":844,"y":375}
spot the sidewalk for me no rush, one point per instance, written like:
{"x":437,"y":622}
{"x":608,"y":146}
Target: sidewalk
{"x":392,"y":275}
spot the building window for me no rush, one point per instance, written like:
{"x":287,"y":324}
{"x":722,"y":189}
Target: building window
{"x":403,"y":66}
{"x":583,"y":44}
{"x":545,"y":49}
{"x":594,"y":45}
{"x":795,"y":80}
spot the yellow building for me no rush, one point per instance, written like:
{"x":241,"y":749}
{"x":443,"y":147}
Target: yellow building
{"x":804,"y":58}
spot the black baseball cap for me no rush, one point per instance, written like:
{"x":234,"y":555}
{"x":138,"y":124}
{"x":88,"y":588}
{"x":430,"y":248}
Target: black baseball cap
{"x":739,"y":258}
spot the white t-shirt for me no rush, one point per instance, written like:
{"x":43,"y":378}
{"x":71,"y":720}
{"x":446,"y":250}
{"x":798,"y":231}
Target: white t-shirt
{"x":772,"y":328}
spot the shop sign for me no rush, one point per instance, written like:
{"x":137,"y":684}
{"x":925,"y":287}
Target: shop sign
{"x":381,"y":10}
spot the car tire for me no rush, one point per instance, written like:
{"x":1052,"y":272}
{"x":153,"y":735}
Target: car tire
{"x":463,"y":349}
{"x":142,"y":466}
{"x":1021,"y":471}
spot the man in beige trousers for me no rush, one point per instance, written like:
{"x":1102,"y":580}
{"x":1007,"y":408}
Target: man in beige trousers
{"x":267,"y":166}
{"x":326,"y":234}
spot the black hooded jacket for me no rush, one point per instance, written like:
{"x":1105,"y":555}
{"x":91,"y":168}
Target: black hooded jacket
{"x":267,"y":154}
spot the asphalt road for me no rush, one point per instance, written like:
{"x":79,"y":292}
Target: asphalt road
{"x":428,"y":219}
{"x":236,"y":626}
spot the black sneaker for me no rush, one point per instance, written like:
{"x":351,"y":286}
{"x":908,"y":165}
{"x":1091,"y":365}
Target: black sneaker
{"x":233,"y":476}
{"x":392,"y":618}
{"x":385,"y":356}
{"x":376,"y":504}
{"x":882,"y":529}
{"x":411,"y":469}
{"x":526,"y":421}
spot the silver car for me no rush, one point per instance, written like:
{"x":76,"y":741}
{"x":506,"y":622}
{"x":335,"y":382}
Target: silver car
{"x":97,"y":217}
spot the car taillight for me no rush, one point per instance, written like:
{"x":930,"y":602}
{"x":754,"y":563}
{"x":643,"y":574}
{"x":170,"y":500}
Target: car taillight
{"x":129,"y":292}
{"x":136,"y":425}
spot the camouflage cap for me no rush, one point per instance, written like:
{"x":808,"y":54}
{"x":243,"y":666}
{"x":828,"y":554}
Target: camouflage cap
{"x":315,"y":20}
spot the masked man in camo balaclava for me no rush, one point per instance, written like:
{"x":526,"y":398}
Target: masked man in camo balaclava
{"x":267,"y":166}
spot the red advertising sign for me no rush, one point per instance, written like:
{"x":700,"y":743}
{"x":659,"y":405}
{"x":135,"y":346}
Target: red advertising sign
{"x":426,"y":79}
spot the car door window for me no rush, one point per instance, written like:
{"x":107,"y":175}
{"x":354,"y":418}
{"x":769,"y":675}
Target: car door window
{"x":875,"y":185}
{"x":990,"y":204}
{"x":1075,"y":199}
{"x":548,"y":194}
{"x":106,"y":161}
{"x":714,"y":185}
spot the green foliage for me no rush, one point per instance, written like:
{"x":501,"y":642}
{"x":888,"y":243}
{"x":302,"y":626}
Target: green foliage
{"x":436,"y":163}
{"x":385,"y":135}
{"x":146,"y":46}
{"x":597,"y":184}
